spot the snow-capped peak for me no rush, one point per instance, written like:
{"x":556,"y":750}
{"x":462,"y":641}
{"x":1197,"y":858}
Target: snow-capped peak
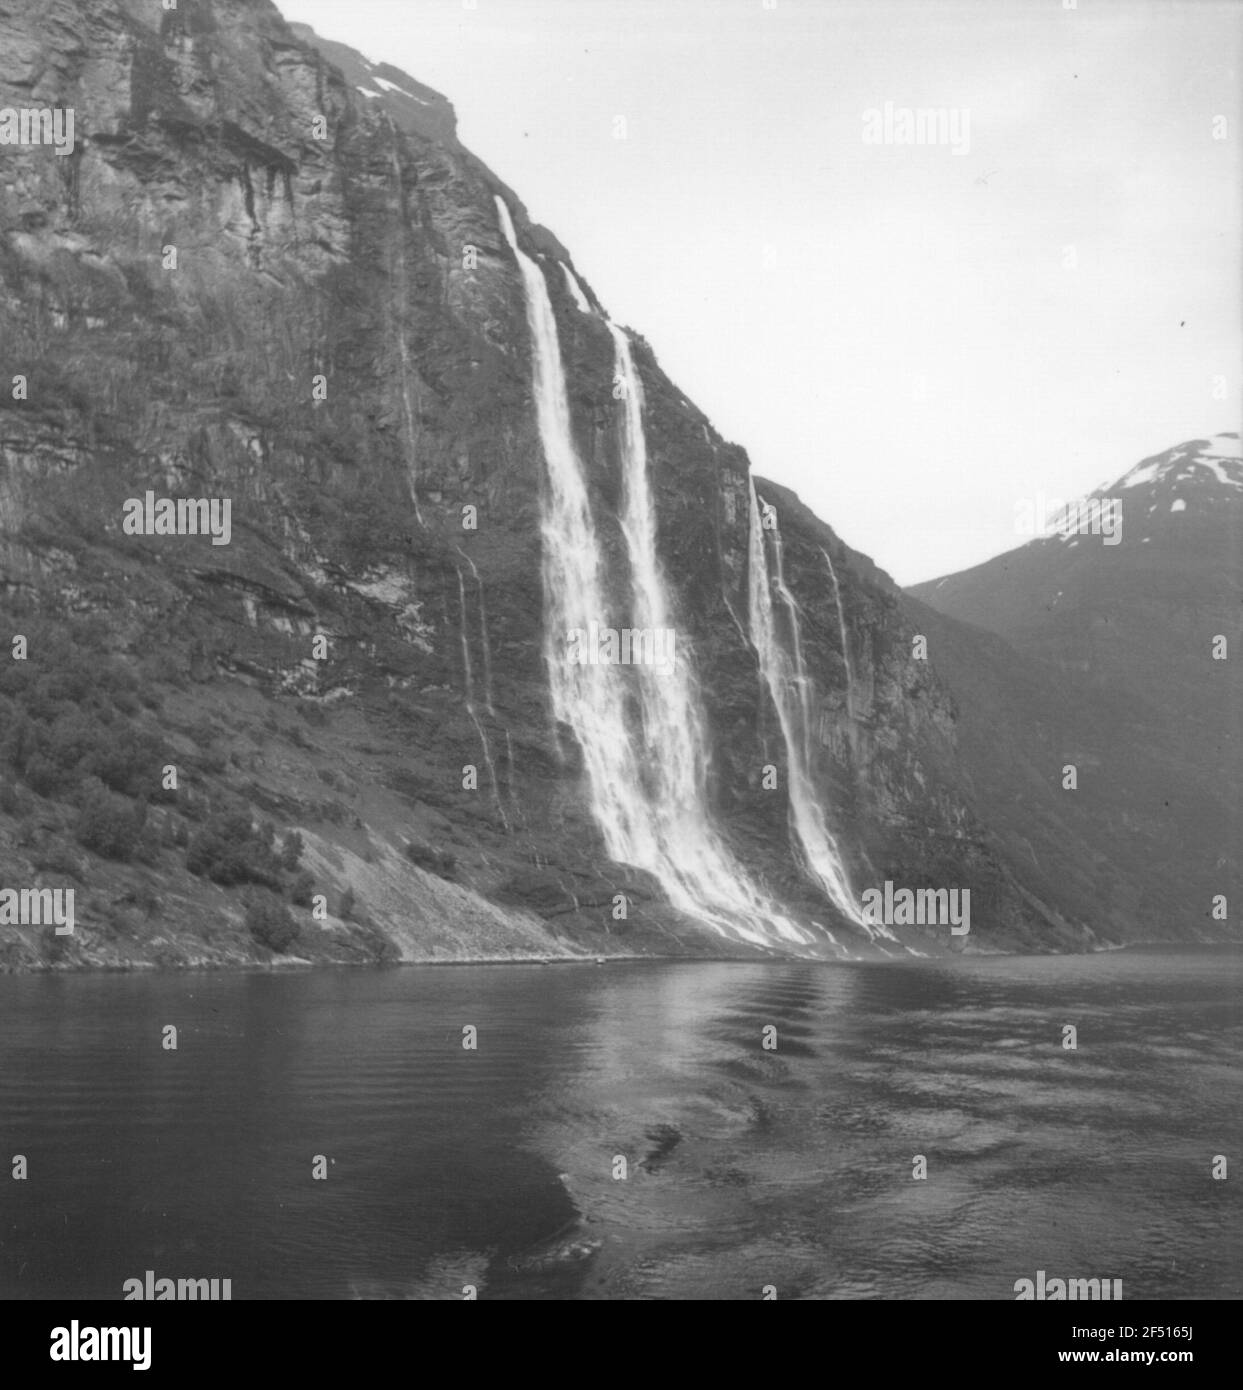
{"x":1198,"y":460}
{"x":1207,"y":473}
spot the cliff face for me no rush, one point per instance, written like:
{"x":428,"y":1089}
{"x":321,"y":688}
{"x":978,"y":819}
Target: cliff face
{"x":269,"y":273}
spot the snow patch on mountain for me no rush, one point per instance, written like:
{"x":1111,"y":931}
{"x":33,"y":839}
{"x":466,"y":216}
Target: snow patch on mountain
{"x":1211,"y":462}
{"x":1141,"y":473}
{"x":1219,"y":456}
{"x":1222,"y":446}
{"x":393,"y":87}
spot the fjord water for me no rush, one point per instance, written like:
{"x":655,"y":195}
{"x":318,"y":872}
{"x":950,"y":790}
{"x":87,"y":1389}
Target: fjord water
{"x":746,"y":1167}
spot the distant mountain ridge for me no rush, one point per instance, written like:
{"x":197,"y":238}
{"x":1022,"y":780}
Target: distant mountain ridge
{"x":1124,"y":659}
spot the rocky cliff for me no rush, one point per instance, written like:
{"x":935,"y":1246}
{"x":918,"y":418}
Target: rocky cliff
{"x":268,"y":272}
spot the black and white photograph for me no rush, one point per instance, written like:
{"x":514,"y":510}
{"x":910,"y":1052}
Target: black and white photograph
{"x":621,"y":662}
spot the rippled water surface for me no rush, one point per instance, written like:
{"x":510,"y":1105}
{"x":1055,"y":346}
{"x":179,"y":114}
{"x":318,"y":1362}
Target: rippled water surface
{"x":744,"y":1167}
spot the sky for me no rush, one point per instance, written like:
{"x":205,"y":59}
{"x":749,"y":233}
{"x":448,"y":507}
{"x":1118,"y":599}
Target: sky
{"x":916,"y":338}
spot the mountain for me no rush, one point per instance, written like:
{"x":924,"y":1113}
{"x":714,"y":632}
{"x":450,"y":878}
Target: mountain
{"x":1112,"y":643}
{"x":269,"y":279}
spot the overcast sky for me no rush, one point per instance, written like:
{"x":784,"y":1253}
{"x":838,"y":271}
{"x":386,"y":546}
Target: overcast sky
{"x":912,"y":338}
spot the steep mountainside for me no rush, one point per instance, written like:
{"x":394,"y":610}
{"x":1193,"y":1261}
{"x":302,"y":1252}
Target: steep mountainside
{"x":1121,"y":651}
{"x":268,"y":274}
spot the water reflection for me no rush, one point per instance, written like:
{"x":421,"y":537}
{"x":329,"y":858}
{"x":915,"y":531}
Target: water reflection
{"x":744,"y":1165}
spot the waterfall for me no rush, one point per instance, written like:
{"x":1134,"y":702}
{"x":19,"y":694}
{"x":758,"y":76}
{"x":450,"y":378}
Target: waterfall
{"x":402,"y":297}
{"x":833,"y":941}
{"x":672,"y":723}
{"x":649,"y":809}
{"x":512,"y":778}
{"x":468,"y":676}
{"x":797,"y":674}
{"x":790,"y":688}
{"x":588,"y":698}
{"x":841,"y":628}
{"x":576,"y":290}
{"x":485,"y":641}
{"x":469,"y":681}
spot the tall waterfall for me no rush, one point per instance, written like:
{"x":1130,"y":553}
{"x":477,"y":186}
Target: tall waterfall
{"x":672,"y":724}
{"x":588,"y":698}
{"x":790,"y":687}
{"x":649,"y":807}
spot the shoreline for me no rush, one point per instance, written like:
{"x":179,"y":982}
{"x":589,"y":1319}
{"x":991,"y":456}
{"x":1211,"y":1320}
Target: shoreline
{"x":597,"y":959}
